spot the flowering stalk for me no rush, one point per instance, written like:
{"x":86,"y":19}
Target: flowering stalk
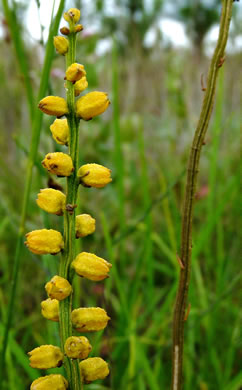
{"x":58,"y":307}
{"x":71,"y":366}
{"x":192,"y":172}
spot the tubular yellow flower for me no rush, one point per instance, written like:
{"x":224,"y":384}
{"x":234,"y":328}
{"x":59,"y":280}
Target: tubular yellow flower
{"x":60,"y":131}
{"x":91,"y":266}
{"x":53,"y":105}
{"x":93,"y":369}
{"x":78,"y":28}
{"x":73,"y":14}
{"x":58,"y":163}
{"x":52,"y":201}
{"x":80,"y":85}
{"x":61,"y":44}
{"x":44,"y":241}
{"x":75,"y":72}
{"x":58,"y":288}
{"x":92,"y":104}
{"x":85,"y":225}
{"x":94,"y":175}
{"x":89,"y":319}
{"x":46,"y":356}
{"x":50,"y":382}
{"x":50,"y":309}
{"x":77,"y":347}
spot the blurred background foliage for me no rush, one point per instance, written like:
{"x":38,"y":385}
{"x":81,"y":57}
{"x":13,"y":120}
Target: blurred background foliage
{"x":156,"y":94}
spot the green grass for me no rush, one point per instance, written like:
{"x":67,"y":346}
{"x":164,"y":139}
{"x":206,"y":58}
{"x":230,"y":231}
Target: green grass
{"x":138,"y":221}
{"x":36,"y":121}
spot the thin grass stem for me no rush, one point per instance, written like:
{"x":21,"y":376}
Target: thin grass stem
{"x":118,"y":156}
{"x":36,"y":129}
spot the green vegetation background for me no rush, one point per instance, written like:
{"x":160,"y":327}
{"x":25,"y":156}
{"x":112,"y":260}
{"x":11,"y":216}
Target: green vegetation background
{"x":144,"y":138}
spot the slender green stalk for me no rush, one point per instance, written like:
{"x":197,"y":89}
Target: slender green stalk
{"x":71,"y":365}
{"x":36,"y":128}
{"x":118,"y":156}
{"x":14,"y":27}
{"x":148,"y":258}
{"x":192,"y":172}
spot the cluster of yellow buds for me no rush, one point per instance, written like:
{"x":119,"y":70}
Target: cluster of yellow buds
{"x":49,"y":241}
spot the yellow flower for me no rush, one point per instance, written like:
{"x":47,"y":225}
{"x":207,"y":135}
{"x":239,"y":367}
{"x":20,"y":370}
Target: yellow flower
{"x":94,"y":175}
{"x":89,"y":319}
{"x":50,"y":309}
{"x":53,"y":105}
{"x":92,"y":104}
{"x":50,"y":382}
{"x":52,"y":201}
{"x":80,"y":85}
{"x":61,"y":44}
{"x":77,"y":347}
{"x":93,"y":369}
{"x":73,"y":14}
{"x":91,"y":266}
{"x":78,"y":28}
{"x":46,"y":356}
{"x":75,"y":72}
{"x":58,"y":288}
{"x":85,"y":225}
{"x":58,"y":163}
{"x":60,"y":131}
{"x":44,"y":241}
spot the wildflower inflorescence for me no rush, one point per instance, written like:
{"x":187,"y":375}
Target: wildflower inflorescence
{"x":58,"y":306}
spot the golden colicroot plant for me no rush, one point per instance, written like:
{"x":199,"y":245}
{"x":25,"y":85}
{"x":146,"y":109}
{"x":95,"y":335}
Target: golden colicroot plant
{"x":74,"y":350}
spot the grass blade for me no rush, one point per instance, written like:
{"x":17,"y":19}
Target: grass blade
{"x":37,"y":123}
{"x":14,"y":27}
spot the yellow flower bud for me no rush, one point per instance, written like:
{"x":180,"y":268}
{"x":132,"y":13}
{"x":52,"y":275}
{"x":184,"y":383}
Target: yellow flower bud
{"x":58,"y":288}
{"x":80,"y":85}
{"x":58,"y":163}
{"x":44,"y":241}
{"x":75,"y":72}
{"x":93,"y":369}
{"x":77,"y":347}
{"x":65,"y":30}
{"x":94,"y":175}
{"x":50,"y":309}
{"x":46,"y":356}
{"x":89,"y":319}
{"x":61,"y":44}
{"x":53,"y":105}
{"x":73,"y":14}
{"x":60,"y":131}
{"x":91,"y":105}
{"x":91,"y":266}
{"x":50,"y":382}
{"x":85,"y":225}
{"x":52,"y":201}
{"x":78,"y":28}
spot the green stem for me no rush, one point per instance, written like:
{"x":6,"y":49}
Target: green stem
{"x":192,"y":172}
{"x":118,"y":155}
{"x":72,"y":366}
{"x":15,"y":27}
